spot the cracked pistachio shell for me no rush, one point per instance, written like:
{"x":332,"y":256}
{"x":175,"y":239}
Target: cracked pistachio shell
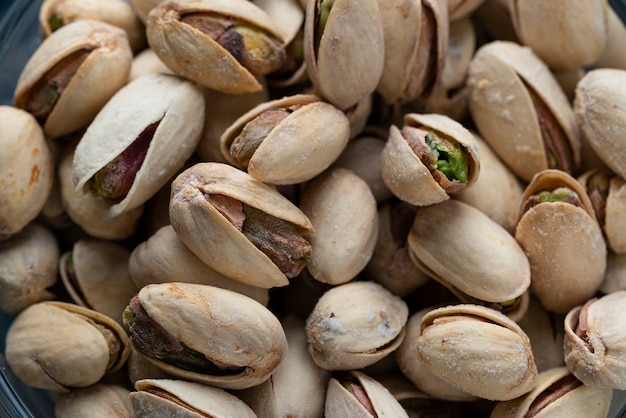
{"x":195,"y":55}
{"x":101,"y":399}
{"x":351,"y":39}
{"x":342,"y":209}
{"x":595,"y":342}
{"x":164,"y":258}
{"x":472,"y":255}
{"x":104,"y":71}
{"x":563,"y":243}
{"x":405,"y":174}
{"x":477,"y":350}
{"x":213,"y":238}
{"x":501,"y":77}
{"x":599,"y":106}
{"x":26,"y":170}
{"x":355,"y":325}
{"x":342,"y":403}
{"x":95,"y":274}
{"x":557,"y":394}
{"x":164,"y":398}
{"x":563,"y":35}
{"x":228,"y":328}
{"x":158,"y":99}
{"x":59,"y":346}
{"x":299,"y":147}
{"x":28,"y":268}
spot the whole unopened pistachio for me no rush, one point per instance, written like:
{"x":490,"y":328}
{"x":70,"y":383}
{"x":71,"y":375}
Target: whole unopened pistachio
{"x":102,"y":399}
{"x":26,"y":170}
{"x":72,"y":74}
{"x":241,"y":227}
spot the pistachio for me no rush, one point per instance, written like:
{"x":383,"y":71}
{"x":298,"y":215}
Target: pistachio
{"x":102,"y":398}
{"x":459,"y":9}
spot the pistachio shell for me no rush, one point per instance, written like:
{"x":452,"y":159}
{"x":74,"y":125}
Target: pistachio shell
{"x":459,"y":9}
{"x":104,"y":399}
{"x":143,"y":7}
{"x":615,"y":277}
{"x":287,"y":14}
{"x":612,"y":56}
{"x":147,"y":62}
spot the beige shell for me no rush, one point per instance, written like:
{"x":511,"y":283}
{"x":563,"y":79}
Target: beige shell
{"x":612,"y":56}
{"x":500,"y":76}
{"x":198,"y":57}
{"x":287,"y":14}
{"x":227,"y":327}
{"x":211,"y":237}
{"x":352,"y":39}
{"x":104,"y":71}
{"x":477,"y":350}
{"x":26,"y":170}
{"x":154,"y":98}
{"x":564,"y":245}
{"x":406,"y":175}
{"x":139,"y":367}
{"x":147,"y":62}
{"x":460,"y":9}
{"x":103,"y":399}
{"x":164,"y":398}
{"x":343,"y":212}
{"x":580,"y":401}
{"x":598,"y":359}
{"x":615,"y":276}
{"x":143,"y":7}
{"x":355,"y":325}
{"x":299,"y":147}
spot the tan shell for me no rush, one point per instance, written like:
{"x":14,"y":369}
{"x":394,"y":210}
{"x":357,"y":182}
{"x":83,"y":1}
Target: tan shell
{"x":460,"y":9}
{"x":147,"y":62}
{"x":154,"y":98}
{"x":26,"y":170}
{"x":139,"y":367}
{"x":499,"y":78}
{"x":164,"y":398}
{"x":582,"y":401}
{"x":405,"y":174}
{"x":612,"y":56}
{"x":355,"y":325}
{"x":211,"y":237}
{"x":299,"y":147}
{"x":103,"y":399}
{"x":598,"y":361}
{"x":103,"y":72}
{"x":477,"y":350}
{"x":352,"y":39}
{"x":564,"y":245}
{"x":227,"y":327}
{"x":287,"y":14}
{"x":197,"y":56}
{"x":343,"y":212}
{"x":615,"y":277}
{"x":143,"y":7}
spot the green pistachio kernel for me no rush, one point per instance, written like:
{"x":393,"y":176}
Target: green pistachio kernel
{"x":448,"y":158}
{"x":55,"y":22}
{"x":556,"y":195}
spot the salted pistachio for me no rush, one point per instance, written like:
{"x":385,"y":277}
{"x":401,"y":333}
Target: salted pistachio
{"x":612,"y":56}
{"x":615,"y":276}
{"x":477,"y":350}
{"x":241,"y":227}
{"x":562,"y":239}
{"x":358,"y":395}
{"x":600,"y":95}
{"x":163,"y":398}
{"x":223,"y":45}
{"x":72,"y":74}
{"x":26,"y":170}
{"x":461,"y":9}
{"x":332,"y":53}
{"x":28,"y":268}
{"x":564,"y":36}
{"x":164,"y":258}
{"x":54,"y":14}
{"x":429,"y":158}
{"x":446,"y":236}
{"x":557,"y":393}
{"x":59,"y":346}
{"x":355,"y":325}
{"x":595,"y":342}
{"x":101,"y":399}
{"x":95,"y":274}
{"x":521,"y":111}
{"x":343,"y":212}
{"x":147,"y":62}
{"x":139,"y":140}
{"x":205,"y":334}
{"x":288,"y":140}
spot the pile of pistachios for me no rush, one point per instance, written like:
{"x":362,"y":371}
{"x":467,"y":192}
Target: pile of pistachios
{"x":339,"y":208}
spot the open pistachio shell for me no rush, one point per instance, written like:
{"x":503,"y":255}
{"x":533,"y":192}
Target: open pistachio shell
{"x":595,"y":342}
{"x":477,"y":350}
{"x":214,"y":239}
{"x":164,"y":398}
{"x":298,"y":147}
{"x":236,"y":340}
{"x":563,"y":243}
{"x":72,"y":74}
{"x":521,"y":111}
{"x":102,"y":399}
{"x":287,"y":14}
